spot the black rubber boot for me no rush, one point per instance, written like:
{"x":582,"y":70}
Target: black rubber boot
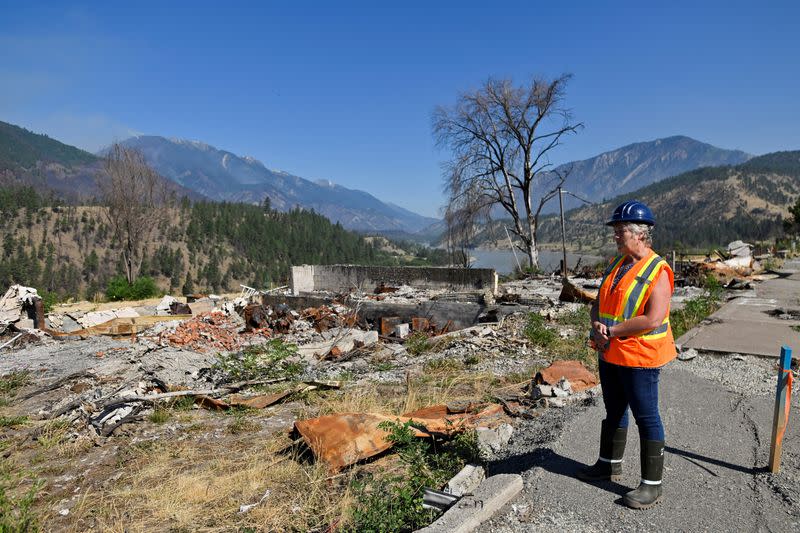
{"x":612,"y":448}
{"x":649,"y":492}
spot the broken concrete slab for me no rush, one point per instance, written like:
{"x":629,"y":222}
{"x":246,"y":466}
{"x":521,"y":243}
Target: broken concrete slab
{"x":461,"y":315}
{"x":466,"y":481}
{"x":95,"y":318}
{"x":17,"y":302}
{"x":493,"y":440}
{"x":541,"y":391}
{"x":740,"y":249}
{"x":402,"y":331}
{"x":163,"y":307}
{"x":420,"y":314}
{"x":745,"y":325}
{"x":343,"y":340}
{"x":471,"y":511}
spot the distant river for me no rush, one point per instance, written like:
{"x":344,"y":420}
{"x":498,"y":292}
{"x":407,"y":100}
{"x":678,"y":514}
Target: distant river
{"x":503,"y":260}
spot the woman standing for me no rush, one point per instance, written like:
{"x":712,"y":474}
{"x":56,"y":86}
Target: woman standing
{"x":631,"y":331}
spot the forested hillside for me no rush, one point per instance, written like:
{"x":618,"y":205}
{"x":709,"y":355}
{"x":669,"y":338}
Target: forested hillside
{"x":70,"y":250}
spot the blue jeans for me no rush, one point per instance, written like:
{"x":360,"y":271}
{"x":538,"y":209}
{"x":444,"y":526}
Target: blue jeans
{"x":636,"y":388}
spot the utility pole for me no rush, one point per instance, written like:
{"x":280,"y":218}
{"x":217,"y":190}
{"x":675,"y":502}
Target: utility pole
{"x":563,"y":236}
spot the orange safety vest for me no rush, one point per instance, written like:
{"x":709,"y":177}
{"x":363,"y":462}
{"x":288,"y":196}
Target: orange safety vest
{"x":650,"y":349}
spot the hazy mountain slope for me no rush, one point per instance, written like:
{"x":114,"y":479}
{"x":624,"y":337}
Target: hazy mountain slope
{"x":637,"y":165}
{"x":222,"y":175}
{"x":29,"y":158}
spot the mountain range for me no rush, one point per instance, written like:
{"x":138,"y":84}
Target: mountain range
{"x":199,"y":170}
{"x":224,"y":176}
{"x":709,"y":206}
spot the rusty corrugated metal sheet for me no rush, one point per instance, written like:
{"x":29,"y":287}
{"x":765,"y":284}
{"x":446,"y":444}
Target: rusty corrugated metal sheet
{"x":344,"y":439}
{"x":578,"y":375}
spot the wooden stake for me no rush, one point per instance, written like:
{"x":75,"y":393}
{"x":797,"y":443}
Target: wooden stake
{"x":783,"y":398}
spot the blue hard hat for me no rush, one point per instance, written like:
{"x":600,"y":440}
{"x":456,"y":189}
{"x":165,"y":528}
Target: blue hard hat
{"x":632,"y":211}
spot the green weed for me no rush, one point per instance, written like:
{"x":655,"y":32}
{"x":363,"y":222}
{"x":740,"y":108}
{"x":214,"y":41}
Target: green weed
{"x":159,"y":415}
{"x":182,"y":403}
{"x":443,"y":365}
{"x":383,"y":366}
{"x":578,"y":319}
{"x":537,"y":332}
{"x":242,"y":424}
{"x":417,"y":343}
{"x":472,"y":360}
{"x":53,"y":433}
{"x":265,"y":361}
{"x":695,"y":310}
{"x":16,"y":509}
{"x":10,"y":383}
{"x":12,"y":421}
{"x":394,"y":503}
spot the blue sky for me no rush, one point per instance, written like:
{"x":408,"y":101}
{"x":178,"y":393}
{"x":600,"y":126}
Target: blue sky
{"x":345,"y":90}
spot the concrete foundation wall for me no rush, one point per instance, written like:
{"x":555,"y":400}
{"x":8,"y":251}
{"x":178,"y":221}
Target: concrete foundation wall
{"x":346,"y":278}
{"x":462,"y":315}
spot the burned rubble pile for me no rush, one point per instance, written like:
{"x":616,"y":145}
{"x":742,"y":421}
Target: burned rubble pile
{"x":101,"y":370}
{"x":385,"y":333}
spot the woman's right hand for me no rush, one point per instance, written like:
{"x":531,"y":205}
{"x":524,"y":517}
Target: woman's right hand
{"x":599,"y":336}
{"x":600,"y":329}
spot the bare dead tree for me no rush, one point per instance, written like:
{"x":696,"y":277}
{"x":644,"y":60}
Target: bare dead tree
{"x":501,"y":136}
{"x":135,"y":199}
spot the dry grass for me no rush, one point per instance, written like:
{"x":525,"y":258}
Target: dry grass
{"x":52,"y":434}
{"x":444,"y":386}
{"x":179,"y":486}
{"x":200,"y":484}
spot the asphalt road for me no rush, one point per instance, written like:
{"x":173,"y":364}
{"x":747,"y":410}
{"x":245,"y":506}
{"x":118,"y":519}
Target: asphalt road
{"x":715,"y":479}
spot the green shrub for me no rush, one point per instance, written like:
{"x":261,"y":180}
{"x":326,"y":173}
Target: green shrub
{"x":394,"y":503}
{"x":526,"y":272}
{"x":49,"y":299}
{"x":265,"y":361}
{"x":119,"y":289}
{"x":536,"y":331}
